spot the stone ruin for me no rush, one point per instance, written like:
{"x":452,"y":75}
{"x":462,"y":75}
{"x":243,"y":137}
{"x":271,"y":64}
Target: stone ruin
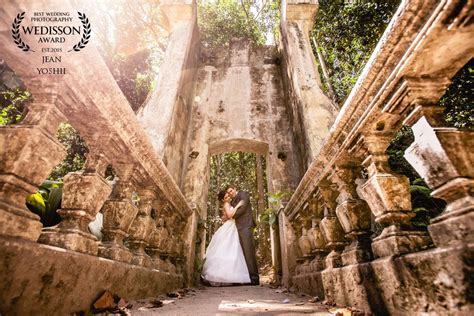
{"x":263,"y":100}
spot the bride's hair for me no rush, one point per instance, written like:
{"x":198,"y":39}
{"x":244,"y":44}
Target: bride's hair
{"x":221,"y":195}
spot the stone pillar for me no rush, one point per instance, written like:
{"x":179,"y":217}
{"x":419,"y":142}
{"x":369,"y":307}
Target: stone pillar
{"x":388,"y":195}
{"x":444,"y":158}
{"x":141,"y":229}
{"x":191,"y":236}
{"x":28,"y":153}
{"x":316,"y":237}
{"x":330,"y":226}
{"x":158,"y":241}
{"x":312,"y":109}
{"x":288,"y":255}
{"x":119,"y":213}
{"x":354,"y":216}
{"x":84,"y":193}
{"x":174,"y":249}
{"x":165,"y":117}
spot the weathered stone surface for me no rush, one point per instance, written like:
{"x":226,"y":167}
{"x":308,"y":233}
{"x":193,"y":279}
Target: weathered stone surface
{"x":22,"y":170}
{"x":442,"y":156}
{"x":140,"y":231}
{"x":83,"y":195}
{"x":54,"y":281}
{"x":431,"y":281}
{"x":118,"y":217}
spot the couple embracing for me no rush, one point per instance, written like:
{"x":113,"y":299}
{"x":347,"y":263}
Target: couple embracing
{"x":230,"y":256}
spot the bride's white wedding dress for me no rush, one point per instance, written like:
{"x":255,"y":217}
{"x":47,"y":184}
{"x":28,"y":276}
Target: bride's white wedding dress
{"x":225,"y":261}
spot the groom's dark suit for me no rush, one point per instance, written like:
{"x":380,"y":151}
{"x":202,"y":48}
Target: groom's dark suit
{"x":244,"y":222}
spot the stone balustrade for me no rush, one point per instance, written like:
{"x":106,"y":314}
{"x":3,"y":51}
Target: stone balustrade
{"x":399,"y":86}
{"x":88,"y":98}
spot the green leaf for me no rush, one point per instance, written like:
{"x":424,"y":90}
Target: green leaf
{"x":54,"y":199}
{"x":36,"y":203}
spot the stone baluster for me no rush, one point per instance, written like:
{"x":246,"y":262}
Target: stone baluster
{"x":141,"y":229}
{"x":330,"y":226}
{"x":119,"y":213}
{"x":28,"y":153}
{"x":158,"y":241}
{"x":316,"y":237}
{"x":84,"y":193}
{"x":305,"y":247}
{"x":388,"y":195}
{"x":444,"y":158}
{"x":169,"y":255}
{"x":354,"y":216}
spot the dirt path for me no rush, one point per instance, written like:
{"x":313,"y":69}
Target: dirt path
{"x":243,"y":300}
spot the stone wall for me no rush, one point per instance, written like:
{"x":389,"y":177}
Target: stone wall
{"x":166,"y":116}
{"x":310,"y":111}
{"x":239,"y":106}
{"x":51,"y":281}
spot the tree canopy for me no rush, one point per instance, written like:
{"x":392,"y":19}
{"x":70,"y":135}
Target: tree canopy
{"x":223,"y":20}
{"x":347,"y":33}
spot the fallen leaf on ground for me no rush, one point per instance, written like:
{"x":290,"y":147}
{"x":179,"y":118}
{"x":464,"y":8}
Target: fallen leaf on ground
{"x":105,"y":301}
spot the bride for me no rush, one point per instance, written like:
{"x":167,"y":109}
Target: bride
{"x":225,"y":261}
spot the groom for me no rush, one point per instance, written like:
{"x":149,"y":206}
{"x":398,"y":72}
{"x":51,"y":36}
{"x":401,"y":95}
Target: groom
{"x":245,"y":223}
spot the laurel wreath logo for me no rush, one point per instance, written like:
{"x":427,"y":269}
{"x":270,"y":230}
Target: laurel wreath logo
{"x":85,"y":36}
{"x":16,"y":33}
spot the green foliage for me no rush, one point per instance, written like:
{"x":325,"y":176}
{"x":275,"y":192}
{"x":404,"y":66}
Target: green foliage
{"x":459,"y":98}
{"x":131,"y":38}
{"x":424,"y":206}
{"x":46,"y":202}
{"x":237,"y":168}
{"x":134,"y":75}
{"x":76,"y":152}
{"x":222,"y":20}
{"x":13,"y":97}
{"x":347,"y":33}
{"x":270,"y":216}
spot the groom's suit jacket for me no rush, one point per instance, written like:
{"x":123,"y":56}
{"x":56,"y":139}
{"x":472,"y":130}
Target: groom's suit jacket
{"x":244,"y":215}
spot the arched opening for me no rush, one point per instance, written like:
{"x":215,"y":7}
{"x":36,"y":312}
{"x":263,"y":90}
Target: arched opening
{"x":245,"y":164}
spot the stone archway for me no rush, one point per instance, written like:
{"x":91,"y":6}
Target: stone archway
{"x":260,"y":180}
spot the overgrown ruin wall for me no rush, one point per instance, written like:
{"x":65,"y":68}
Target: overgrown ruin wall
{"x":240,"y":106}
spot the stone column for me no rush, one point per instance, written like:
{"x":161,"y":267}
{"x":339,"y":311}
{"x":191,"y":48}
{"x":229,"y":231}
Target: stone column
{"x":330,"y":225}
{"x":316,"y":237}
{"x":119,"y":213}
{"x":173,"y":250}
{"x":354,"y":216}
{"x":28,"y":153}
{"x":141,"y":229}
{"x":84,"y":193}
{"x":313,"y":111}
{"x":192,"y":234}
{"x":388,"y":195}
{"x":444,"y":158}
{"x":288,"y":251}
{"x":165,"y":117}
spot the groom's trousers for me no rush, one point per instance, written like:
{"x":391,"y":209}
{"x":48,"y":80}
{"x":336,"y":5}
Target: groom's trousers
{"x":248,"y":247}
